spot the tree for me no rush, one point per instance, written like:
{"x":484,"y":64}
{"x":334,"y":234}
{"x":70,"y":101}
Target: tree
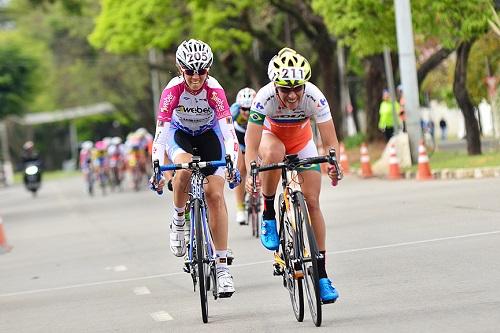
{"x":458,"y":25}
{"x":366,"y":27}
{"x":17,"y":79}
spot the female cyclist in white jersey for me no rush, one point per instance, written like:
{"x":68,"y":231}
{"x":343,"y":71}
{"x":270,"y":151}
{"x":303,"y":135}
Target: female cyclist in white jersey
{"x":194,"y":113}
{"x":279,"y":124}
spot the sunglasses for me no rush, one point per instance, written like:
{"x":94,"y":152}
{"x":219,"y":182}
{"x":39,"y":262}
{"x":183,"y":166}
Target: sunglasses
{"x":287,"y":90}
{"x":245,"y":109}
{"x":191,"y":72}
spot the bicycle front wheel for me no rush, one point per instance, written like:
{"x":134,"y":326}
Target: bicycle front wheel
{"x":202,"y":271}
{"x":310,"y":255}
{"x":292,"y":281}
{"x":254,"y":215}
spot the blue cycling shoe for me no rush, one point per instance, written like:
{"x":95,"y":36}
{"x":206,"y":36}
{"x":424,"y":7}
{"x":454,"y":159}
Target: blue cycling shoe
{"x":269,"y":235}
{"x":327,"y":291}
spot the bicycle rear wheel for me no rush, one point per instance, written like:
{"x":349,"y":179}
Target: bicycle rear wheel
{"x":309,"y":254}
{"x":292,"y":282}
{"x":201,"y":253}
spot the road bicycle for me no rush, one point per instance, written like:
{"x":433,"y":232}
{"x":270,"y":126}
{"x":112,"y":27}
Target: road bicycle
{"x":296,"y":259}
{"x":253,"y":203}
{"x":200,"y":261}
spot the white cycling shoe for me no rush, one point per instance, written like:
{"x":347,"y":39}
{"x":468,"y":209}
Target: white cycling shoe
{"x":241,"y":217}
{"x":177,"y":240}
{"x":225,"y":284}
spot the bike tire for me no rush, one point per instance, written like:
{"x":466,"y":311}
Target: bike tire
{"x":309,"y":257}
{"x":292,"y":284}
{"x":254,"y":217}
{"x":200,"y":258}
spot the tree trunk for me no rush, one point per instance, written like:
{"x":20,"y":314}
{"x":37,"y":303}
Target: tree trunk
{"x":464,"y":101}
{"x":374,"y":85}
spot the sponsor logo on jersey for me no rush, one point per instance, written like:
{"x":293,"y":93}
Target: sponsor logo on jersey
{"x":166,"y":102}
{"x":259,"y":106}
{"x":218,"y":101}
{"x":323,"y":101}
{"x":194,"y":110}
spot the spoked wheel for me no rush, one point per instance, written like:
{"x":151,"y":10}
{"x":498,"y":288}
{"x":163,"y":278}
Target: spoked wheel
{"x":292,"y":282}
{"x":310,"y":256}
{"x":202,"y":264}
{"x":254,"y":215}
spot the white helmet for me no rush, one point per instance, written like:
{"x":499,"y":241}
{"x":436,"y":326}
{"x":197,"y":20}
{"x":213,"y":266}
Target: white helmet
{"x":194,"y":54}
{"x":87,"y":145}
{"x":116,"y":140}
{"x":245,"y":97}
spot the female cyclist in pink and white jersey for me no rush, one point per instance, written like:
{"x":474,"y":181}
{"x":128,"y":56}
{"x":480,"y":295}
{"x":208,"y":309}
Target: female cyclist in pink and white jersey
{"x":278,"y":125}
{"x":194,"y":113}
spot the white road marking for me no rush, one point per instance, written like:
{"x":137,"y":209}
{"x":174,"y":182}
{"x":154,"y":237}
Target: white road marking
{"x":142,"y":291}
{"x":100,"y":283}
{"x":161,"y":316}
{"x":119,"y":268}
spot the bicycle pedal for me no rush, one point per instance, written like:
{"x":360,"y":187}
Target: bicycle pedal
{"x":225,"y":294}
{"x":277,"y":271}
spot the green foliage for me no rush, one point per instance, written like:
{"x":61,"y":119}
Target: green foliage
{"x":366,"y":26}
{"x":132,"y":26}
{"x":17,"y":79}
{"x":354,"y":141}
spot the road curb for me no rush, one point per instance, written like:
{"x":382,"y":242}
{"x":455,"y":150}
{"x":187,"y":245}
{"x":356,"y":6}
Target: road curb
{"x":443,"y":174}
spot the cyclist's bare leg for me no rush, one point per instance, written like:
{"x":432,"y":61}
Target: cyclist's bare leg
{"x":311,"y":186}
{"x":214,"y":194}
{"x":240,"y":189}
{"x":271,"y":150}
{"x":180,"y":182}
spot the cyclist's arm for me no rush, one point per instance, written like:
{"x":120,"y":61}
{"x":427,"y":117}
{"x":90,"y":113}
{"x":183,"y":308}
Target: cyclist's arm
{"x":253,"y":137}
{"x":328,"y":136}
{"x":159,"y":143}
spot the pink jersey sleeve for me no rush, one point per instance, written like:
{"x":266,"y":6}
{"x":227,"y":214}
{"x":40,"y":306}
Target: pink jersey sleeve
{"x":218,"y":101}
{"x":168,"y":102}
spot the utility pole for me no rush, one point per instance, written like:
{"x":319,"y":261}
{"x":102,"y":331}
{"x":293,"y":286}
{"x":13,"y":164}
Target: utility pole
{"x":155,"y":79}
{"x":408,"y":69}
{"x":7,"y":164}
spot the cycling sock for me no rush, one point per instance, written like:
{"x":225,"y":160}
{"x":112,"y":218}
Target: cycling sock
{"x":269,"y":213}
{"x":178,"y":216}
{"x":220,"y":258}
{"x":321,"y":266}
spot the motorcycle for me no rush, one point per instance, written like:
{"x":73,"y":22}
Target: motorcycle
{"x":32,"y":176}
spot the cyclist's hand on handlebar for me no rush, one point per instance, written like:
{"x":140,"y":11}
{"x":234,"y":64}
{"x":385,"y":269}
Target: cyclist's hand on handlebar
{"x":234,"y":179}
{"x":333,"y":174}
{"x":249,"y":184}
{"x":156,"y":185}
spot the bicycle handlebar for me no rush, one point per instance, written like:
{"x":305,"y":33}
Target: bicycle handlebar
{"x":195,"y":164}
{"x":291,"y":162}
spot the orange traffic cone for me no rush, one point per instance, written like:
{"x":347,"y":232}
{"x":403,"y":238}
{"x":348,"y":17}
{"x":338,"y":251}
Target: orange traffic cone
{"x":344,"y":162}
{"x":424,"y":168}
{"x":4,"y":247}
{"x":394,"y":171}
{"x":366,"y":168}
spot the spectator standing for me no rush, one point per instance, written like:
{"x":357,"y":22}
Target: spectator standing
{"x":444,"y":129}
{"x":386,"y":118}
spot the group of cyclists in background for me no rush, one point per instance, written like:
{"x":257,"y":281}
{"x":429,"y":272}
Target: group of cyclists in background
{"x":112,"y":164}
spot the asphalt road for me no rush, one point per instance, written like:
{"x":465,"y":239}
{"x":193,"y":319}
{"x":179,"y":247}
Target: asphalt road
{"x":406,"y":256}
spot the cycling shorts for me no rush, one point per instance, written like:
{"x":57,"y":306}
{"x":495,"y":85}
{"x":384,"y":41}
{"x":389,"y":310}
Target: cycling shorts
{"x":210,"y":147}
